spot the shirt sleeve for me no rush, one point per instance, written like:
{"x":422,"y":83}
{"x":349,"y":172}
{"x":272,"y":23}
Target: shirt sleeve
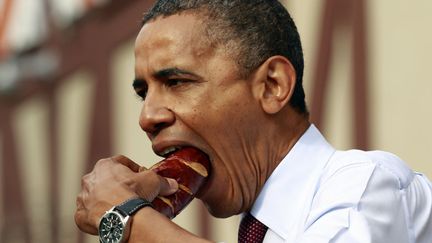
{"x":358,"y":203}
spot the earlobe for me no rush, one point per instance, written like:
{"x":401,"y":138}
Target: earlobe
{"x":277,"y":84}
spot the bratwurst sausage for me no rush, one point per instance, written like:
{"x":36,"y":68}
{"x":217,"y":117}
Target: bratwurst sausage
{"x":190,"y":167}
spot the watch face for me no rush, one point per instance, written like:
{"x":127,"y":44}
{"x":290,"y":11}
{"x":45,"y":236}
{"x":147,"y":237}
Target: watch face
{"x":111,"y":228}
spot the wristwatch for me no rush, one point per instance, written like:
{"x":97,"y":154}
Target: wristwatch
{"x":114,"y":226}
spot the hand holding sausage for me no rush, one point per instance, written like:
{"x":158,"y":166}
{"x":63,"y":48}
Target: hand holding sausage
{"x":111,"y":182}
{"x":116,"y":179}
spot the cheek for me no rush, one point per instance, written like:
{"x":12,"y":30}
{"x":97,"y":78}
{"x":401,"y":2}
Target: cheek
{"x":219,"y":115}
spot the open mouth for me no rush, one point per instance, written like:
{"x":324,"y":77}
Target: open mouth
{"x":191,"y":156}
{"x":186,"y":151}
{"x":169,"y":151}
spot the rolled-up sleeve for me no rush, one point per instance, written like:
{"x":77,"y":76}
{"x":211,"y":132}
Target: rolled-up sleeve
{"x":368,"y":203}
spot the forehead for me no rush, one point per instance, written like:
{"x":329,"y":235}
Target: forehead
{"x":172,"y":41}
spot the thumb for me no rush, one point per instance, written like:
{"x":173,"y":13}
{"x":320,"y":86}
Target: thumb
{"x":168,"y":186}
{"x":149,"y":185}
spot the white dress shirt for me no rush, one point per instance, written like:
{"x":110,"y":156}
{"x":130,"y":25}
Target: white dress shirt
{"x":318,"y":195}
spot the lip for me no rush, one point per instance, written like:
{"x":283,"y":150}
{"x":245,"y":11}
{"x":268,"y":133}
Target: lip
{"x":160,"y":147}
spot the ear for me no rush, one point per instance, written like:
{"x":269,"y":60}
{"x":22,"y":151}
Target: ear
{"x":274,"y":83}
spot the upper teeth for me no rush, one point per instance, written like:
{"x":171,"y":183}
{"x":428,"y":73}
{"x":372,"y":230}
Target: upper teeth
{"x":169,"y":150}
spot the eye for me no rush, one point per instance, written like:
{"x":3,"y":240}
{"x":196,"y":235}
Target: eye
{"x":140,"y":87}
{"x":142,"y":93}
{"x":175,"y":82}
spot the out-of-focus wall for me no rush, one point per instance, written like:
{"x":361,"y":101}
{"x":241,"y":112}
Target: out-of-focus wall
{"x":401,"y":81}
{"x":400,"y":84}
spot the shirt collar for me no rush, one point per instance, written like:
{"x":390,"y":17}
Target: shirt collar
{"x":290,"y":188}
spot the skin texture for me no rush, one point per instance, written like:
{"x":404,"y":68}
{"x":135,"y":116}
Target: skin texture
{"x":193,"y":95}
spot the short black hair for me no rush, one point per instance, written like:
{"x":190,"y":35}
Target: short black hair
{"x":259,"y":28}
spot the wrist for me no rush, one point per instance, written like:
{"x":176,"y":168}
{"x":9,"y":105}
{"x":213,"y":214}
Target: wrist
{"x":149,"y":225}
{"x":114,"y":226}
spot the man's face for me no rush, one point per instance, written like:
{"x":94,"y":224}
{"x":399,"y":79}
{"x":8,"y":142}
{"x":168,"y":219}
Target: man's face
{"x":194,"y":96}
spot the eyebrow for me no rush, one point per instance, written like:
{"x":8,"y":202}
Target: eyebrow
{"x":168,"y":72}
{"x":164,"y":73}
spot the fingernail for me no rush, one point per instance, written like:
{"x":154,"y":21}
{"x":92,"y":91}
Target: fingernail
{"x":173,"y":184}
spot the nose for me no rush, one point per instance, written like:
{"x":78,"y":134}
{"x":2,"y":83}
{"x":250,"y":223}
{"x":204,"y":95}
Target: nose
{"x":155,"y":116}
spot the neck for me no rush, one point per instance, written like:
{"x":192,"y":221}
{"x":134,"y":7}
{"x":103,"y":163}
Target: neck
{"x":280,"y":139}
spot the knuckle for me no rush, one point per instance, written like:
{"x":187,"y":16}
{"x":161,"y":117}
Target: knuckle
{"x":78,"y":218}
{"x":147,"y":184}
{"x":79,"y":221}
{"x":79,"y":202}
{"x":103,"y":162}
{"x":82,"y":221}
{"x":84,"y":179}
{"x":152,"y":178}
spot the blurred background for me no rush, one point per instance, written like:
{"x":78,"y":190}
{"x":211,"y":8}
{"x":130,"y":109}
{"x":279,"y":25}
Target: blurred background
{"x":66,"y":100}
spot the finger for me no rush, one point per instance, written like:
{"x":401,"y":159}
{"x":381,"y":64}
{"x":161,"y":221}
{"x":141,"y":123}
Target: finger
{"x":79,"y":201}
{"x":126,"y":162}
{"x":81,"y":222}
{"x":149,"y":185}
{"x":168,"y":186}
{"x":85,"y":181}
{"x":81,"y":216}
{"x":142,"y":168}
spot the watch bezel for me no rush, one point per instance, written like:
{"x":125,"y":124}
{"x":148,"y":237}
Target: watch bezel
{"x":125,"y":223}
